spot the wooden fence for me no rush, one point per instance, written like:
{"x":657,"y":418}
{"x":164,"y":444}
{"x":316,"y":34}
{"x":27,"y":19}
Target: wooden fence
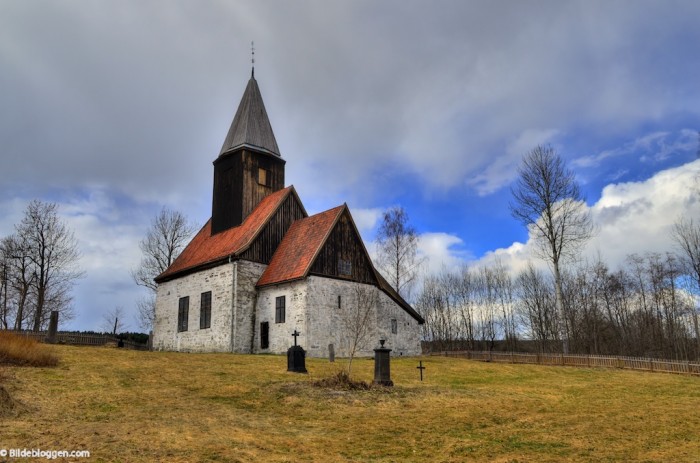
{"x":81,"y":339}
{"x":606,"y":361}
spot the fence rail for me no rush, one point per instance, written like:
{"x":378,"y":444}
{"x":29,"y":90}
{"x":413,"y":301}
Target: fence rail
{"x":80,"y":339}
{"x":576,"y":360}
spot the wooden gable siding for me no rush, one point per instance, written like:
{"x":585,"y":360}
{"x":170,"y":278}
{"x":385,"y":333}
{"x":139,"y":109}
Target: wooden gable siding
{"x":344,"y":243}
{"x":264,"y":246}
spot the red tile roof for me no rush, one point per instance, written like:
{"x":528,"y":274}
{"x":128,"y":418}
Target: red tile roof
{"x":207,"y":249}
{"x":299,"y":247}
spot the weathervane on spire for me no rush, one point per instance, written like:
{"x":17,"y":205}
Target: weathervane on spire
{"x":252,"y":59}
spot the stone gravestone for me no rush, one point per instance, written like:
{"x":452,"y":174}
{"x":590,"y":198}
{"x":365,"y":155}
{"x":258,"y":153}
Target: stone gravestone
{"x":296,"y":357}
{"x":382,"y":373}
{"x":331,"y":353}
{"x":53,"y":328}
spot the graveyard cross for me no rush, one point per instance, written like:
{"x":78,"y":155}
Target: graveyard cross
{"x":421,"y":368}
{"x":295,"y":334}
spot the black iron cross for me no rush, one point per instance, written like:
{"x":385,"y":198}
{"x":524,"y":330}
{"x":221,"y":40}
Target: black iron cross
{"x":421,"y":368}
{"x":296,"y":334}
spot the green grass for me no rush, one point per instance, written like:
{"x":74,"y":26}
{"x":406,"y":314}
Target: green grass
{"x":145,"y":406}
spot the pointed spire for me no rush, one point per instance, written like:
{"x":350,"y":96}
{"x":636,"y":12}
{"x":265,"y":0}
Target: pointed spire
{"x":252,"y":60}
{"x":250,"y":127}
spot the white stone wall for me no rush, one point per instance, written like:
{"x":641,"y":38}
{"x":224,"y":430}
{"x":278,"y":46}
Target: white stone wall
{"x":280,"y":334}
{"x":229,"y":314}
{"x":214,"y":339}
{"x":312,"y":309}
{"x":245,"y":324}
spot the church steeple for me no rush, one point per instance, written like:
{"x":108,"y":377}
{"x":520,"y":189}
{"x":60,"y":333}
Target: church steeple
{"x":249,"y":166}
{"x":251,"y":127}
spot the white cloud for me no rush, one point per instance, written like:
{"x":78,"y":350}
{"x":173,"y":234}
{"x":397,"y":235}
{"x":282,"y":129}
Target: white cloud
{"x":366,"y":219}
{"x":441,"y":250}
{"x":633,"y":217}
{"x":655,"y":146}
{"x":503,"y":169}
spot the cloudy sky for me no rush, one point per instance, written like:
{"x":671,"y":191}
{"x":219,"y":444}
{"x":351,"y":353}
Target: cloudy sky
{"x":116,"y":108}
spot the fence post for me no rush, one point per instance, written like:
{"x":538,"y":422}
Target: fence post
{"x":53,"y":328}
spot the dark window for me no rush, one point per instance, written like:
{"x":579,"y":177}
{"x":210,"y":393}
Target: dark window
{"x":279,"y":309}
{"x":182,"y":313}
{"x":394,"y":326}
{"x":205,"y":311}
{"x":339,"y":302}
{"x":264,"y":177}
{"x":344,"y":267}
{"x":264,"y":335}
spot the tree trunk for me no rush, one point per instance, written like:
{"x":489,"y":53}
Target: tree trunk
{"x":561,"y":325}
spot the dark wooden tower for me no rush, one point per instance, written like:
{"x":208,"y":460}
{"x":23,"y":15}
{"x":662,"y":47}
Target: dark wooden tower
{"x":249,"y":166}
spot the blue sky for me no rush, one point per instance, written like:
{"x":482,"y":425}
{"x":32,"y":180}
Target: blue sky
{"x":114,"y":109}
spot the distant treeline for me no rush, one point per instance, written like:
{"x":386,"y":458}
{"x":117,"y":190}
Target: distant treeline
{"x":646,"y":308}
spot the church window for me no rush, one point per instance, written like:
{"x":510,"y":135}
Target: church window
{"x":264,"y":177}
{"x":205,"y":311}
{"x":182,"y":313}
{"x":264,"y":335}
{"x":394,"y":326}
{"x":280,"y":309}
{"x":344,"y":267}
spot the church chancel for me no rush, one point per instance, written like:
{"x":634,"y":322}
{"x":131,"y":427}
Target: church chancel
{"x":262,"y":268}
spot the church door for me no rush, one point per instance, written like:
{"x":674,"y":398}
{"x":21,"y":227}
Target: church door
{"x":264,"y":335}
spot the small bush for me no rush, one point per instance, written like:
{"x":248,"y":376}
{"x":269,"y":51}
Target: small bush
{"x":19,"y":350}
{"x":342,"y":380}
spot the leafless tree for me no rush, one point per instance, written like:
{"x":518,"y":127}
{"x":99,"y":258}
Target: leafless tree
{"x":686,"y":234}
{"x":547,"y":199}
{"x":114,"y":321}
{"x":165,"y":239}
{"x":168,"y":235}
{"x":537,"y":308}
{"x":49,"y":251}
{"x":356,"y":319}
{"x":145,"y":311}
{"x":398,"y":243}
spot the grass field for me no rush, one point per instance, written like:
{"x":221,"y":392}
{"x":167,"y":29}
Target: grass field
{"x":146,"y":406}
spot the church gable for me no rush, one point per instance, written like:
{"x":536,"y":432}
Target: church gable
{"x":343,"y":254}
{"x":268,"y":240}
{"x":299,"y":248}
{"x":207,"y":250}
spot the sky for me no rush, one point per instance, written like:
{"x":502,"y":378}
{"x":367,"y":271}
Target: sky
{"x":114,"y":109}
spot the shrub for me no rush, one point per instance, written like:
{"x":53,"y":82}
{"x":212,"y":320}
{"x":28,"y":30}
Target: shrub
{"x":342,"y":380}
{"x":19,"y":350}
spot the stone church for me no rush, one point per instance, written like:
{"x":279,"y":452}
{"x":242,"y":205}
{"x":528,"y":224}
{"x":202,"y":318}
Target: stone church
{"x":262,"y":268}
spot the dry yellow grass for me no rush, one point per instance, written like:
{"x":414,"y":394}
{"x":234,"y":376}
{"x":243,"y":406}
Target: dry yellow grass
{"x":18,"y":350}
{"x":145,"y":406}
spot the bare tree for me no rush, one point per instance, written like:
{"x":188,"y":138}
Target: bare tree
{"x":547,"y":199}
{"x":686,"y":234}
{"x":398,"y":243}
{"x":145,"y":311}
{"x":114,"y":321}
{"x":168,"y":235}
{"x":356,"y":319}
{"x":52,"y":253}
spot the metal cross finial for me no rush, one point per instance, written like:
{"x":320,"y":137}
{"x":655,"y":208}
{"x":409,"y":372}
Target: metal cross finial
{"x":296,"y":334}
{"x":252,"y":58}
